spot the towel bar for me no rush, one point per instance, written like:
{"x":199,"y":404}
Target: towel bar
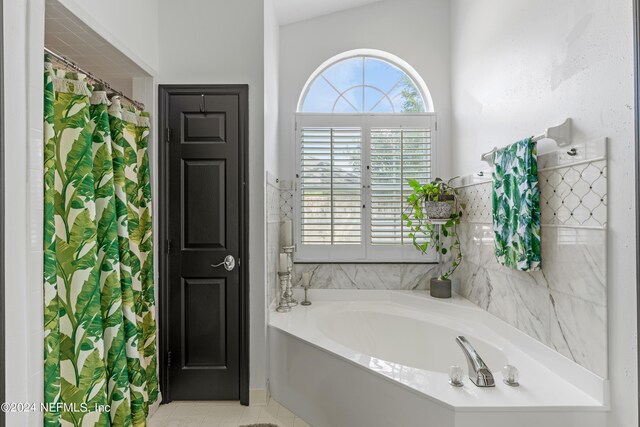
{"x":561,"y":134}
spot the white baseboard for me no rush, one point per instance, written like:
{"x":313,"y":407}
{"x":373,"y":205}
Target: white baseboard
{"x":257,"y":397}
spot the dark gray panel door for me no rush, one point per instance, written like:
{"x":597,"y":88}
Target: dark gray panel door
{"x":204,"y":228}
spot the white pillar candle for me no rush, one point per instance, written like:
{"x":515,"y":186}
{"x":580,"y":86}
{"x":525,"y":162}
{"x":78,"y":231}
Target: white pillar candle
{"x":287,"y":232}
{"x":284,"y":263}
{"x":306,"y":278}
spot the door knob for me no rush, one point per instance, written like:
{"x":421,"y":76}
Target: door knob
{"x":229,"y":263}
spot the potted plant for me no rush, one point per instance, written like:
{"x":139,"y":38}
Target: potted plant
{"x":432,"y":217}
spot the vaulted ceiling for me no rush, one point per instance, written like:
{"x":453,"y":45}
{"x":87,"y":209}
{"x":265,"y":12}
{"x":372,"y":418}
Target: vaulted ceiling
{"x":290,"y":11}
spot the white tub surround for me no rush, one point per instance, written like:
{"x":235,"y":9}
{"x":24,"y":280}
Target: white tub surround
{"x":381,"y":358}
{"x":565,"y":304}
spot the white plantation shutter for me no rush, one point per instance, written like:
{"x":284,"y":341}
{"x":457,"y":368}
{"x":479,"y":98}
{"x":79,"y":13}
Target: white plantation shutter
{"x":397,"y":154}
{"x":330,"y":186}
{"x":351,"y":185}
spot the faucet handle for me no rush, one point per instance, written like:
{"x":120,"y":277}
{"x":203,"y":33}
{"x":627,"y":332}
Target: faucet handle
{"x":455,"y":376}
{"x":510,"y":375}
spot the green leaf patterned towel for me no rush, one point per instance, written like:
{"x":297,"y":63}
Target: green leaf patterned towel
{"x":516,"y":206}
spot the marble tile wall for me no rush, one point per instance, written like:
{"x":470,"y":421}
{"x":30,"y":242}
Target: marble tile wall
{"x":564,"y":305}
{"x":366,"y":276}
{"x":272,"y":198}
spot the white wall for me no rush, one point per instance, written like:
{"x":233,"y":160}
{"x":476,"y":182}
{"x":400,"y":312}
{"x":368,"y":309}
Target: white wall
{"x":271,"y":68}
{"x":131,"y":26}
{"x":271,"y":160}
{"x":221,"y":42}
{"x":415,"y":30}
{"x":19,"y":338}
{"x":519,"y":66}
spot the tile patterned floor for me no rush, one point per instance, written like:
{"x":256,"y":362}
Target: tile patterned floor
{"x":222,"y":414}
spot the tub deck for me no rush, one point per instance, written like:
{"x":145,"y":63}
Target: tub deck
{"x":550,"y":383}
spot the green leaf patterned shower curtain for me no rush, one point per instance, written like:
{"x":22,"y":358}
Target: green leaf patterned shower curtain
{"x":99,"y":307}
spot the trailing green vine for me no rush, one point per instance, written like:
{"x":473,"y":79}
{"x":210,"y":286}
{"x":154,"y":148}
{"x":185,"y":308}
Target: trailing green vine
{"x":423,"y":231}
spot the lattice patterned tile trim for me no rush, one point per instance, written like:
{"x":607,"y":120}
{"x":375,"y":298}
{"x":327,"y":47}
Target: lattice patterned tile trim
{"x":573,"y":195}
{"x":286,"y":204}
{"x":476,"y":200}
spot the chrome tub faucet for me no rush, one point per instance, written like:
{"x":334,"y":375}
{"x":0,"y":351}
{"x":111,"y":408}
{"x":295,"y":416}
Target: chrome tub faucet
{"x":479,"y":373}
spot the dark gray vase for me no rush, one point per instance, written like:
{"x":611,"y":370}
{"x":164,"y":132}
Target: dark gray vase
{"x":440,"y":288}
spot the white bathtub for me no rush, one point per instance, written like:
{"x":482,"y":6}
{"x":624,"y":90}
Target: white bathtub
{"x":381,"y":358}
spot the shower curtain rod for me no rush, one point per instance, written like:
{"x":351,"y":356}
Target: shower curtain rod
{"x":91,"y":76}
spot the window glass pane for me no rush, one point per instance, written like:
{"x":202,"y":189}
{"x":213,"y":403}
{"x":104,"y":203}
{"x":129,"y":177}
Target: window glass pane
{"x":354,"y":97}
{"x":357,"y":85}
{"x":345,"y":74}
{"x":376,"y":101}
{"x":406,"y":97}
{"x":381,"y":74}
{"x":411,"y":99}
{"x":343,"y":106}
{"x":395,"y":97}
{"x":320,"y":97}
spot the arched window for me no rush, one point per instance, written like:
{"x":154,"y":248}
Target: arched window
{"x":363,"y":84}
{"x":365,"y":124}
